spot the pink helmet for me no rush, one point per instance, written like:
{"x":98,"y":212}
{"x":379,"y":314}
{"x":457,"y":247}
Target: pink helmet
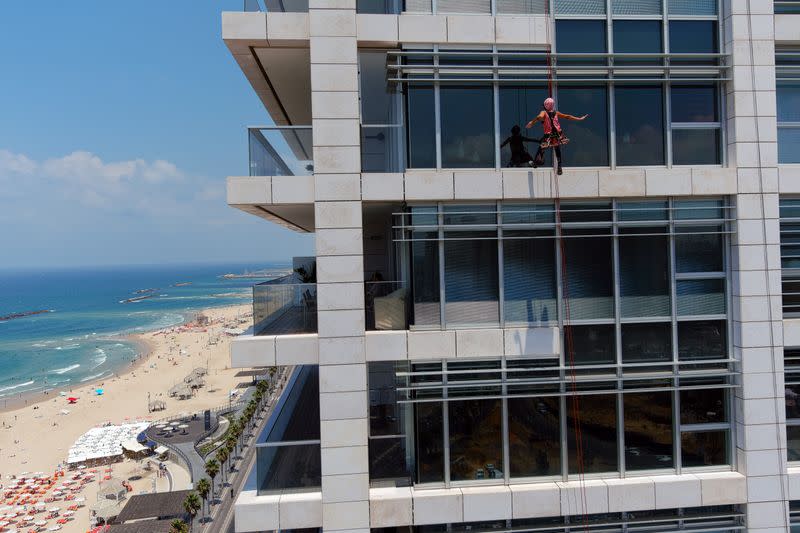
{"x":549,"y":104}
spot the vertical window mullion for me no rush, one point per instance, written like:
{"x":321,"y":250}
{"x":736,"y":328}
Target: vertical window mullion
{"x":437,"y":105}
{"x":618,"y":342}
{"x":504,"y":423}
{"x":442,"y":295}
{"x":676,"y":398}
{"x":496,"y":103}
{"x":501,"y":297}
{"x":562,"y":373}
{"x":668,"y":123}
{"x":446,"y":424}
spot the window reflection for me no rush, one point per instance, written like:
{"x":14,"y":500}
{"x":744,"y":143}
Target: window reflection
{"x":598,"y":426}
{"x":639,"y":125}
{"x":702,"y":339}
{"x":529,"y":274}
{"x":646,"y":342}
{"x":594,"y":344}
{"x":467,"y":127}
{"x":429,"y":441}
{"x":476,"y":450}
{"x":589,"y":275}
{"x":644,"y":273}
{"x":648,"y":430}
{"x":703,"y":406}
{"x":704,"y":448}
{"x":425,"y":278}
{"x":421,"y":127}
{"x":471,"y":278}
{"x":534,"y":435}
{"x":589,"y":138}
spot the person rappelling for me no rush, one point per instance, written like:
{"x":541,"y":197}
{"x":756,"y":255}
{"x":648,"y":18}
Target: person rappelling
{"x":520,"y":156}
{"x":553,"y":134}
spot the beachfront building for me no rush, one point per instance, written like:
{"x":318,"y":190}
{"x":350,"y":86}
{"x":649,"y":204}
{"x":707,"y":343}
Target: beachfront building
{"x":481,"y":346}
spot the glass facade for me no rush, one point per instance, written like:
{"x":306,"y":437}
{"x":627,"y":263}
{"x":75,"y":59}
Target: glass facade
{"x":636,"y":262}
{"x":790,"y":255}
{"x":787,"y":61}
{"x":463,"y":104}
{"x":647,"y":290}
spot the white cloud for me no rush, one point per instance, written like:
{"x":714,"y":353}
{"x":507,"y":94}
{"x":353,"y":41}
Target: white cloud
{"x":94,"y":183}
{"x":11,"y":163}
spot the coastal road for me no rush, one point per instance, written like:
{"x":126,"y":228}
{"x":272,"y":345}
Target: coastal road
{"x":222,"y":514}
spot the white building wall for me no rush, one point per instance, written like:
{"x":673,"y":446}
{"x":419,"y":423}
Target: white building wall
{"x":757,"y":316}
{"x":340,"y":270}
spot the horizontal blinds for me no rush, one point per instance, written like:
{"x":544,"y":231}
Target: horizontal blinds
{"x":692,"y":7}
{"x":521,"y":7}
{"x":580,"y":7}
{"x":636,"y":7}
{"x":419,"y":6}
{"x":464,"y":6}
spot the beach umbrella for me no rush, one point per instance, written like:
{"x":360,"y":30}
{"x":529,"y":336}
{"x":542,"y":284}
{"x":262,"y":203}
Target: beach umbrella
{"x":68,"y":513}
{"x":54,"y":509}
{"x":72,"y":399}
{"x":99,"y":392}
{"x":40,"y":523}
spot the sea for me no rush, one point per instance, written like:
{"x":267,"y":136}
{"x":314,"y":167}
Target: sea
{"x":81,"y":337}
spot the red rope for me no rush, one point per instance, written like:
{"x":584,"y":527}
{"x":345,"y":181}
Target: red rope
{"x":568,"y":338}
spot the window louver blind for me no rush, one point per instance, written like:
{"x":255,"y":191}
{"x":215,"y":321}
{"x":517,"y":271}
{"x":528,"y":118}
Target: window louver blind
{"x":464,"y":6}
{"x":636,"y":7}
{"x":521,"y":7}
{"x":418,"y":6}
{"x":580,"y":7}
{"x":692,"y":7}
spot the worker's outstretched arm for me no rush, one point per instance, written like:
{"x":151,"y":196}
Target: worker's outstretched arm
{"x":571,"y":117}
{"x":505,"y":142}
{"x":530,"y":124}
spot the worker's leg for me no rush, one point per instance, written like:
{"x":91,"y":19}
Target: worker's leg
{"x":557,"y":151}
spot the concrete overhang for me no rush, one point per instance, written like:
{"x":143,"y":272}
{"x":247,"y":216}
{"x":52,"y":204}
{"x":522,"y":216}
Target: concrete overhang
{"x":285,"y":200}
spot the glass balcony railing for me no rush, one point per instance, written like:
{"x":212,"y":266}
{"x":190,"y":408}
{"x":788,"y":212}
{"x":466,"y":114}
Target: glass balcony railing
{"x":277,"y":6}
{"x":281,"y":151}
{"x":288,"y":450}
{"x":283,"y":308}
{"x":288,"y":466}
{"x":386,"y":305}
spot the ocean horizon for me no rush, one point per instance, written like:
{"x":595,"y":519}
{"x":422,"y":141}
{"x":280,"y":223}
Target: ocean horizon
{"x":81,"y":337}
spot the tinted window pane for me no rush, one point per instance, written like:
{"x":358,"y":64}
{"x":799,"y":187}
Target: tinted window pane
{"x":575,"y":36}
{"x":430,"y":436}
{"x":701,"y":297}
{"x":793,"y":442}
{"x":792,"y":393}
{"x":707,"y":406}
{"x":598,"y":424}
{"x":630,"y":211}
{"x":703,"y":339}
{"x":646,"y":342}
{"x":788,"y":145}
{"x":379,"y":7}
{"x":648,"y":430}
{"x":637,"y":36}
{"x":378,"y":99}
{"x":471,"y":280}
{"x":518,"y":105}
{"x":594,"y":345}
{"x":591,"y":135}
{"x":533,"y":436}
{"x":529,"y":273}
{"x":694,"y":103}
{"x":693,"y":36}
{"x":788,"y":95}
{"x":467,"y":127}
{"x":385,"y":415}
{"x":706,"y":448}
{"x":695,"y":147}
{"x":387,"y":460}
{"x":476,"y":447}
{"x":692,"y":7}
{"x":589,"y":276}
{"x":644,"y":275}
{"x":640,"y":126}
{"x":425,"y":278}
{"x":698,"y":252}
{"x":421,"y":127}
{"x":698,"y":209}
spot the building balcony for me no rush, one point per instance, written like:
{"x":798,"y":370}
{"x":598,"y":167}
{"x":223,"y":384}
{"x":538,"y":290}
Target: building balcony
{"x":281,"y":151}
{"x":284,"y":307}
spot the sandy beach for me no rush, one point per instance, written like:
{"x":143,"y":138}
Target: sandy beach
{"x":37,"y":437}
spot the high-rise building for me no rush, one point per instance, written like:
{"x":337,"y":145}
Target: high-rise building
{"x":484,"y":345}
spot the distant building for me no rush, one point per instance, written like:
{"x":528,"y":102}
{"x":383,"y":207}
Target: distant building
{"x":501,"y":348}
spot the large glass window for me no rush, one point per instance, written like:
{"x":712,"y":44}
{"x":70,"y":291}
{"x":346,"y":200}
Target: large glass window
{"x":529,"y":274}
{"x":471,"y":278}
{"x":695,"y":125}
{"x":421,"y":113}
{"x":534,"y":436}
{"x":588,"y":138}
{"x":589,"y":274}
{"x":648,"y":430}
{"x":644,"y":272}
{"x":518,"y":105}
{"x":581,"y":36}
{"x":476,"y":446}
{"x":791,"y":365}
{"x":640,"y":125}
{"x":788,"y":95}
{"x":467,"y":127}
{"x":637,"y":37}
{"x":597,"y":429}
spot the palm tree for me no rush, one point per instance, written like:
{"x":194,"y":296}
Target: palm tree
{"x":203,"y":486}
{"x":191,"y":504}
{"x":212,"y":469}
{"x":178,"y":526}
{"x":222,"y":456}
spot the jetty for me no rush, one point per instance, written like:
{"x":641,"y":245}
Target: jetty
{"x":24,"y":314}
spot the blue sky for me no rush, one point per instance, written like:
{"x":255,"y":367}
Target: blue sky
{"x":119,"y":124}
